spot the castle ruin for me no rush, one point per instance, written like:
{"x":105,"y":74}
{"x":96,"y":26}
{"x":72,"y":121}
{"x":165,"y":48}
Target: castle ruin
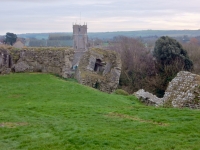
{"x":96,"y":68}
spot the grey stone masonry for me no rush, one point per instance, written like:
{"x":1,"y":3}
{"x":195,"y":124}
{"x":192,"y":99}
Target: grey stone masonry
{"x":80,"y":37}
{"x":182,"y":91}
{"x":56,"y":61}
{"x":80,"y":42}
{"x":100,"y":69}
{"x":148,"y":98}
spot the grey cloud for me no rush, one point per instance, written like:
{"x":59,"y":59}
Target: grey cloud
{"x":31,"y":15}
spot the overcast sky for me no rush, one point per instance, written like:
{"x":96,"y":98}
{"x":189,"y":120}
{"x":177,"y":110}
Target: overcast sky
{"x":35,"y":16}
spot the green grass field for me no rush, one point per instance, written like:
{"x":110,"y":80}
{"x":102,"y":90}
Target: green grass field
{"x":41,"y":111}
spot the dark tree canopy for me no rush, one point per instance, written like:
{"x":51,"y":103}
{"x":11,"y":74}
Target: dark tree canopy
{"x":10,"y":38}
{"x":168,"y":50}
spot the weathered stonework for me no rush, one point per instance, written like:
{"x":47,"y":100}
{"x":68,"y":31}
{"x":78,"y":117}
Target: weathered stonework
{"x":182,"y":91}
{"x":148,"y":98}
{"x":100,"y":69}
{"x":80,"y":38}
{"x":80,"y":42}
{"x":46,"y":60}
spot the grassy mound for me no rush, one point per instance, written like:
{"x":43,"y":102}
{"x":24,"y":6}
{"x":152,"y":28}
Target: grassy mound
{"x":41,"y":111}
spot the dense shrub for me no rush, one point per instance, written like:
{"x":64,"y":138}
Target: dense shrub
{"x":169,"y":52}
{"x":170,"y":59}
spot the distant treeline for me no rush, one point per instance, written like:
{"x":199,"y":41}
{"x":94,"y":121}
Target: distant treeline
{"x":110,"y":35}
{"x":144,"y":33}
{"x":54,"y":39}
{"x":41,"y":36}
{"x":60,"y":36}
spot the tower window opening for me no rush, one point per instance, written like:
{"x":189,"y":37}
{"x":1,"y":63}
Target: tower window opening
{"x":98,"y":65}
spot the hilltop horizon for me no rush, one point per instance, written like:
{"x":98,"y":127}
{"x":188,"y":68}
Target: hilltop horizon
{"x":101,"y":31}
{"x":110,"y":35}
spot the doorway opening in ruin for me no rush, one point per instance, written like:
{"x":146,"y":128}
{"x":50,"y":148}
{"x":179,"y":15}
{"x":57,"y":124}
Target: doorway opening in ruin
{"x":97,"y":85}
{"x":98,"y":65}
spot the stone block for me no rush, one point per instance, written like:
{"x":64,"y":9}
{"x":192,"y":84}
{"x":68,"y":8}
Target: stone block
{"x":21,"y":67}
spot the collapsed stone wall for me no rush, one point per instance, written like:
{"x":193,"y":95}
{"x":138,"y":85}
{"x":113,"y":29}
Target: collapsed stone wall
{"x":182,"y":91}
{"x":47,"y":60}
{"x":148,"y":98}
{"x":100,"y":69}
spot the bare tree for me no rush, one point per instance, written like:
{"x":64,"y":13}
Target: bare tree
{"x":193,"y":49}
{"x":137,"y":63}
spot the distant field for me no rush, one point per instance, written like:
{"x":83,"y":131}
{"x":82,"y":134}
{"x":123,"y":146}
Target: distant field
{"x":41,"y":112}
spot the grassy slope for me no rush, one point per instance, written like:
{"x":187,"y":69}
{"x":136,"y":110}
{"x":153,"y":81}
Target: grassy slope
{"x":40,"y":111}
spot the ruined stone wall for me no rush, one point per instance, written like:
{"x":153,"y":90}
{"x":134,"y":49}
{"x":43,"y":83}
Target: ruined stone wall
{"x":56,"y":61}
{"x":100,"y":69}
{"x":182,"y":91}
{"x":148,"y":98}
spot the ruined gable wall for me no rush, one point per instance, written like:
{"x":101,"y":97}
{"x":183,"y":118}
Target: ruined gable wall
{"x":57,"y":61}
{"x":106,"y":77}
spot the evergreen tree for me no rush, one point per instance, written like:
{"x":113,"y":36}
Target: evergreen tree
{"x":168,"y":51}
{"x":170,"y":59}
{"x":10,"y":38}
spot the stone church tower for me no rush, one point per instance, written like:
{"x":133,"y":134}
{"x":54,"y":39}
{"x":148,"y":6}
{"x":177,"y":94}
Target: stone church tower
{"x":80,"y":42}
{"x":80,"y":37}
